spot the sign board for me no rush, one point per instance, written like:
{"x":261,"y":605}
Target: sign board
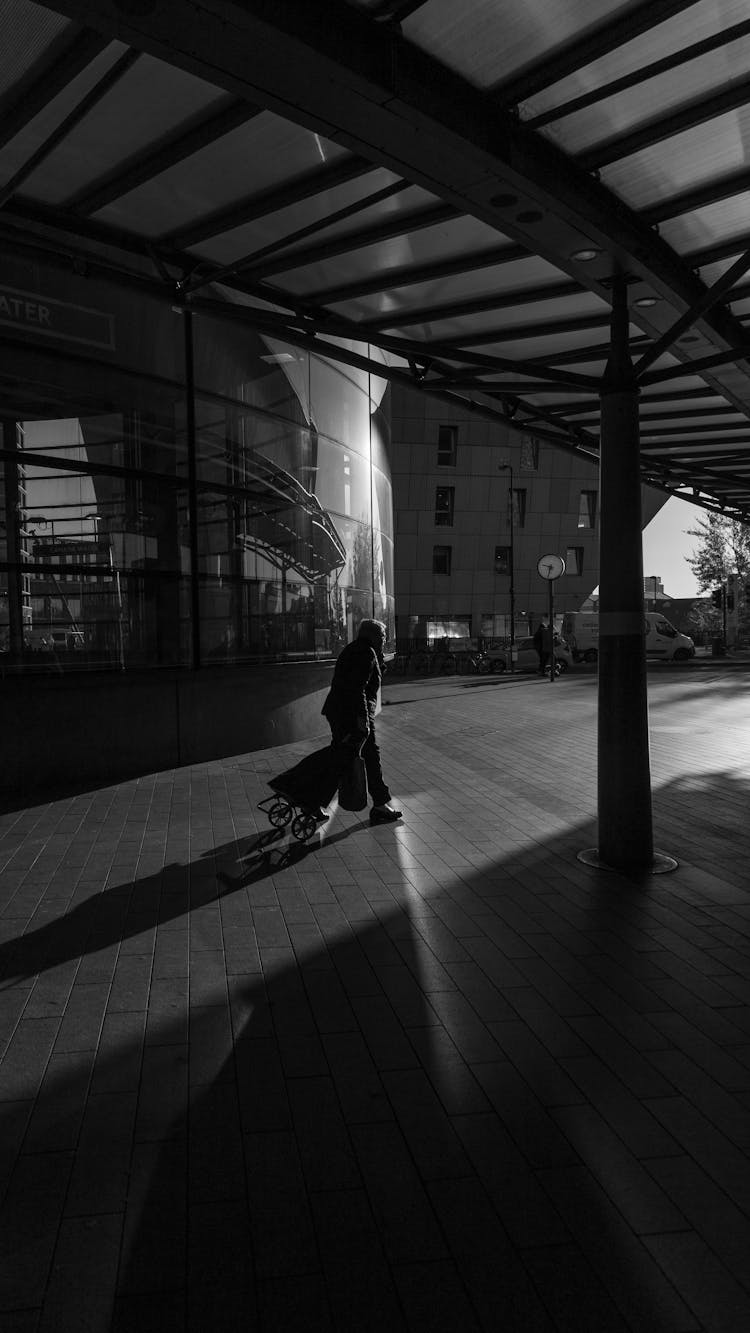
{"x":39,"y":316}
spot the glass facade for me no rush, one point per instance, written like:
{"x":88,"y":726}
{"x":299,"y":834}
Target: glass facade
{"x":193,"y":494}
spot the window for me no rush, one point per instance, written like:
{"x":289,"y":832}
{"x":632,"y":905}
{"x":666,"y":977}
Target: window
{"x":444,"y":499}
{"x":587,"y":509}
{"x":664,"y":628}
{"x":441,"y":559}
{"x":529,"y":453}
{"x":519,"y":507}
{"x":574,"y":560}
{"x":502,"y":560}
{"x":447,"y":443}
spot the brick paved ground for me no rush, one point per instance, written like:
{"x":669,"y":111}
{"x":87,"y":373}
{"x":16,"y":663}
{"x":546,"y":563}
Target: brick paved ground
{"x":436,"y":1077}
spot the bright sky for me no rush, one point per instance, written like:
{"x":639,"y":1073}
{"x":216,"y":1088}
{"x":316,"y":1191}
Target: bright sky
{"x":665,"y":546}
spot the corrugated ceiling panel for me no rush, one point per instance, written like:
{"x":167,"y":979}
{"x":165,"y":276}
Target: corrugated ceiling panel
{"x":696,"y":24}
{"x":546,"y":348}
{"x":150,"y":101}
{"x":274,"y":227}
{"x":708,"y":226}
{"x":634,"y":106}
{"x":440,"y":291}
{"x":462,"y":235}
{"x":487,"y":42}
{"x":21,"y":148}
{"x":452,"y":330}
{"x":28,"y":30}
{"x":578,"y":306}
{"x":262,"y":154}
{"x":685,"y":161}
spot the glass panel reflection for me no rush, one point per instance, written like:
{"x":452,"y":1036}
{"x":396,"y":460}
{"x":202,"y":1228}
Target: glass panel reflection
{"x":280,"y":537}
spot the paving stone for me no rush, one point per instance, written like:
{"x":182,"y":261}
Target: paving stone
{"x":573,"y":1292}
{"x":29,"y":1223}
{"x":386,"y":1039}
{"x":163,"y":1093}
{"x":719,"y":1302}
{"x":215,"y":1152}
{"x":324,"y":1142}
{"x":298,"y":1307}
{"x":83,"y":1274}
{"x":283,"y":1236}
{"x":529,"y":1124}
{"x":406,"y":1222}
{"x":359,"y":1283}
{"x":718,"y":1064}
{"x":624,"y":1113}
{"x":721,"y":1159}
{"x":25,"y":1060}
{"x":621,"y":1176}
{"x":500,"y":1287}
{"x":118,"y":1058}
{"x":359,"y":1088}
{"x":450,"y":1075}
{"x":56,"y":1119}
{"x":708,"y":1209}
{"x":154,"y":1253}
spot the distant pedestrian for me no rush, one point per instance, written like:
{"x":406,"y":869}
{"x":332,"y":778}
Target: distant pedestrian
{"x":351,"y":706}
{"x":543,"y":645}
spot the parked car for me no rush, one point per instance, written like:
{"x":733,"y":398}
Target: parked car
{"x":527,"y":658}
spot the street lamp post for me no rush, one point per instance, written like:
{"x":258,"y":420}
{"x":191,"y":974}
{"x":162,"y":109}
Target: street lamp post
{"x":508,"y":467}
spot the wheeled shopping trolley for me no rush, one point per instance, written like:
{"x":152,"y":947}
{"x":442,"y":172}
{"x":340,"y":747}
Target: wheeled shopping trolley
{"x":282,"y":812}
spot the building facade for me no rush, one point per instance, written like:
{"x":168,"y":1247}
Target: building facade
{"x":477,"y":504}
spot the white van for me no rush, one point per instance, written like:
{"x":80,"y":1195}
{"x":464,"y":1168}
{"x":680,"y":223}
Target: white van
{"x":666,"y":642}
{"x":663,"y":641}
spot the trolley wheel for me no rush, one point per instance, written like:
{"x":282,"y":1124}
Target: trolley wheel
{"x":280,"y":813}
{"x":304,"y":826}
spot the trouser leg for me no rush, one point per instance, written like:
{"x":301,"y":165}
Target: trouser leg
{"x":377,"y":788}
{"x":379,"y":792}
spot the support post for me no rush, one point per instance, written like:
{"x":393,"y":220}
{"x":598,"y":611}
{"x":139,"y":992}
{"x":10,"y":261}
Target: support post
{"x":191,"y":444}
{"x":12,"y":517}
{"x":624,"y":778}
{"x":508,"y":467}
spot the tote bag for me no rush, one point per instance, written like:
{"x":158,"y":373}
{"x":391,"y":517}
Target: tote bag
{"x":353,"y":785}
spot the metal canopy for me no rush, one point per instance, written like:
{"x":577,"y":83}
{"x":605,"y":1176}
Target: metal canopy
{"x":456,"y":186}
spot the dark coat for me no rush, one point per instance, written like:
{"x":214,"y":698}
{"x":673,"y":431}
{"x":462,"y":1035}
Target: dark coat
{"x":543,"y":639}
{"x":353,"y":696}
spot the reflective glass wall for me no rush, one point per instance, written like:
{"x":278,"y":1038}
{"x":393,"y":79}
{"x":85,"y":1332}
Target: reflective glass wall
{"x":204,"y":496}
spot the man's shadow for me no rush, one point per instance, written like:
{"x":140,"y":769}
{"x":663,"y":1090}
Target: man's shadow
{"x":131,"y":907}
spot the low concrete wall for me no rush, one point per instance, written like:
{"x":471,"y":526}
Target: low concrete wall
{"x":78,"y":729}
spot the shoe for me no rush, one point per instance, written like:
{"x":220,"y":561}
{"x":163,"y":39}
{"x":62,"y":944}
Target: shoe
{"x":384,"y":814}
{"x":318,"y":814}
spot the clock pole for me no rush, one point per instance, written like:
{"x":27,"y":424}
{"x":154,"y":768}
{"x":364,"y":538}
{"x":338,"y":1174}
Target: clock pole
{"x":550,"y":567}
{"x":552,"y":672}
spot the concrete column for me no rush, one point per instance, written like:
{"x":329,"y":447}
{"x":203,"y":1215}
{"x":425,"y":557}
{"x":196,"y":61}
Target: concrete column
{"x":624,"y":782}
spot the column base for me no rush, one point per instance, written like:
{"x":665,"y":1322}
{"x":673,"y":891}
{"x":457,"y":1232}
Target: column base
{"x":660,"y":865}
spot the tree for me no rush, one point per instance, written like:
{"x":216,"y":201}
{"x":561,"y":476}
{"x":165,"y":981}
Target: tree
{"x":723,"y":549}
{"x":704,"y":622}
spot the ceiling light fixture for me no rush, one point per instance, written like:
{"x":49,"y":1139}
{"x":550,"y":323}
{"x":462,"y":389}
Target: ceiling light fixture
{"x":646,"y":301}
{"x":585,"y":256}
